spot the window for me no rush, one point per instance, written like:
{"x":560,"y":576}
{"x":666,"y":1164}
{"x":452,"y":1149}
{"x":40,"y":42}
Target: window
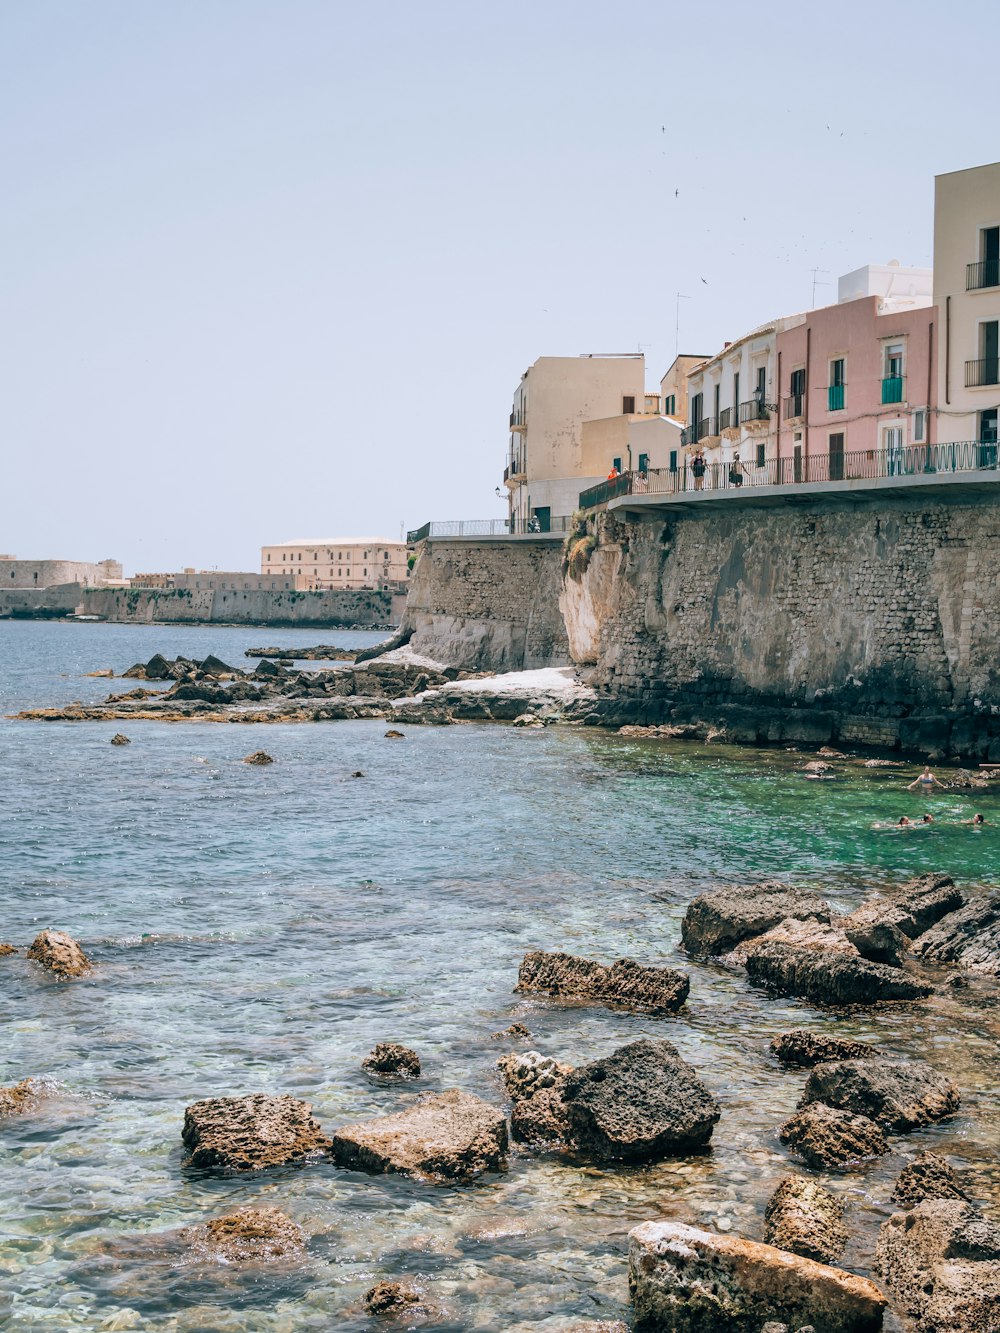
{"x":919,"y":425}
{"x":761,"y":389}
{"x":628,"y":403}
{"x":761,"y":446}
{"x":989,"y":253}
{"x":644,"y":462}
{"x":716,"y":392}
{"x":673,"y":460}
{"x":894,"y":361}
{"x":269,"y":557}
{"x":616,"y":464}
{"x":988,"y":425}
{"x":798,"y":381}
{"x":670,"y":405}
{"x":835,"y":394}
{"x":837,"y":373}
{"x":697,"y":406}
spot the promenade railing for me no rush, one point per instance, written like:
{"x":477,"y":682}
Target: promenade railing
{"x":489,"y":527}
{"x":915,"y":461}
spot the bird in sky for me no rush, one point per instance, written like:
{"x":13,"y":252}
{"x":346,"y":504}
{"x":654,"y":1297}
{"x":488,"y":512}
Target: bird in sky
{"x":705,"y":281}
{"x":677,"y":194}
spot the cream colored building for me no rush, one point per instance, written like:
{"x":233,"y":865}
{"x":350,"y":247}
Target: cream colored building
{"x":967,"y":295}
{"x":546,"y":467}
{"x":630,"y":443}
{"x":338,"y":562}
{"x":674,"y":385}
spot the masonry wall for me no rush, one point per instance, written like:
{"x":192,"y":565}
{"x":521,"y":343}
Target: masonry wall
{"x":488,"y":605}
{"x":876,"y":622}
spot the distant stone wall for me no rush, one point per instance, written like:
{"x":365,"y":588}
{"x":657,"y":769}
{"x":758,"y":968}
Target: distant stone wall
{"x":256,"y":607}
{"x":488,"y":605}
{"x":872,"y":623}
{"x":16,"y":574}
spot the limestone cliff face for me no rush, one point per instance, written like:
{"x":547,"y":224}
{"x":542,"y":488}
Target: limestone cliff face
{"x":590,"y":600}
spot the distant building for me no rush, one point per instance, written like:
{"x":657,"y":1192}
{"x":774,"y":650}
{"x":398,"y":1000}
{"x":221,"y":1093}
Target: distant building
{"x":338,"y":562}
{"x":16,"y":573}
{"x":674,"y":386}
{"x":546,"y":464}
{"x":228,"y":580}
{"x":967,"y":296}
{"x":629,"y":443}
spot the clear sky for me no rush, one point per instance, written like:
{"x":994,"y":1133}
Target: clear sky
{"x":274,"y":270}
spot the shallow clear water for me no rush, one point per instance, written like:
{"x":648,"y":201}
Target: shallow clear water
{"x":260,"y":929}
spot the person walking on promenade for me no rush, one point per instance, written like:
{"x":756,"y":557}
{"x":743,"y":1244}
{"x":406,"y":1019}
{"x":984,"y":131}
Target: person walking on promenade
{"x":698,"y":470}
{"x":926,"y":781}
{"x":736,"y":471}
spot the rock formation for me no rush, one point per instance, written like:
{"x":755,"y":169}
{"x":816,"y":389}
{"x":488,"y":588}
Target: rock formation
{"x":803,"y":1217}
{"x":14,"y":1099}
{"x":445,"y":1136}
{"x":690,"y":1281}
{"x":912,"y":908}
{"x":825,"y":1137}
{"x":968,"y":938}
{"x":249,"y":1133}
{"x":391,"y":1298}
{"x":715,"y":923}
{"x":60,"y":953}
{"x":259,"y":758}
{"x":928,"y":1176}
{"x":625,"y":982}
{"x":804,"y":1049}
{"x":899,"y":1095}
{"x":247,"y":1235}
{"x":640,"y":1104}
{"x":830,"y":976}
{"x":119,"y":739}
{"x":390,"y":1060}
{"x":535,"y":1084}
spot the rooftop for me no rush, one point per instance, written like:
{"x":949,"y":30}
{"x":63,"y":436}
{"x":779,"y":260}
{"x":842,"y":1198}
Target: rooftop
{"x":337,"y":541}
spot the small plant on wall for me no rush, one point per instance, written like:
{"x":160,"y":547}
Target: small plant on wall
{"x":578,"y":547}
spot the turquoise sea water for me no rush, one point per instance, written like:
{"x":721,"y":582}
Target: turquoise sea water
{"x":259,"y":929}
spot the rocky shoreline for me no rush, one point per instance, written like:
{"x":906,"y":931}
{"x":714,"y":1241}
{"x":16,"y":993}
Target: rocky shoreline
{"x":937,"y":1261}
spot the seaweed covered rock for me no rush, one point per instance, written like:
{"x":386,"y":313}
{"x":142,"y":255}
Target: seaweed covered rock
{"x":250,"y":1133}
{"x":640,"y":1104}
{"x":899,"y":1095}
{"x":625,"y":982}
{"x":928,"y":1176}
{"x":60,"y":953}
{"x":444,"y":1136}
{"x":390,"y":1060}
{"x":683,"y":1280}
{"x":825,"y":1137}
{"x":804,"y":1218}
{"x":804,"y":1049}
{"x":941,"y":1264}
{"x":247,"y":1235}
{"x":968,"y":938}
{"x":830,"y":976}
{"x":715,"y":923}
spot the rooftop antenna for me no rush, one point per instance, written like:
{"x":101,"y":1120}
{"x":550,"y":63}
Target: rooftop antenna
{"x":677,"y":322}
{"x":817,"y":282}
{"x":402,"y":530}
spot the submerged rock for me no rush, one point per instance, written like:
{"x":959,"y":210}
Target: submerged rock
{"x":826,"y":1137}
{"x":968,"y":938}
{"x":259,"y":758}
{"x":899,"y":1095}
{"x":119,"y":739}
{"x":391,"y":1297}
{"x":640,"y":1104}
{"x":14,"y":1099}
{"x":6,"y":950}
{"x":625,"y":982}
{"x":247,"y":1235}
{"x":249,"y":1133}
{"x":804,"y":1218}
{"x":941,"y":1264}
{"x":802,"y":1048}
{"x":515,"y":1030}
{"x":391,"y":1060}
{"x":913,"y":908}
{"x":60,"y":953}
{"x":684,"y":1280}
{"x":830,"y":976}
{"x":393,"y":735}
{"x":444,"y":1136}
{"x":715,"y":923}
{"x":928,"y":1176}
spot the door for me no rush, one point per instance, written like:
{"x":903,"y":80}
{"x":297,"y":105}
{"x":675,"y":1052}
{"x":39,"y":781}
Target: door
{"x":989,"y":337}
{"x":837,"y":456}
{"x":544,"y":516}
{"x":797,"y":462}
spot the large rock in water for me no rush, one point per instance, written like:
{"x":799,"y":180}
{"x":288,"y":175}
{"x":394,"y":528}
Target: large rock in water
{"x":248,"y":1133}
{"x":640,"y":1104}
{"x":968,"y":938}
{"x":60,"y":953}
{"x":802,"y":1048}
{"x":625,"y":982}
{"x":928,"y":1176}
{"x":446,"y":1136}
{"x":804,"y":1218}
{"x":941,"y":1263}
{"x":716,"y":923}
{"x":912,"y":908}
{"x":683,"y":1280}
{"x":247,"y":1235}
{"x":830,"y":976}
{"x":535,"y":1083}
{"x":898,"y":1095}
{"x":825,"y":1137}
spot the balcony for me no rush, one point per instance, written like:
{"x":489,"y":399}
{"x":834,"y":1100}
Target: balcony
{"x":835,"y":397}
{"x":519,"y":421}
{"x":729,"y":419}
{"x":753,"y":412}
{"x":705,"y":429}
{"x":978,"y":374}
{"x":984,"y":274}
{"x":892,"y":389}
{"x":514,"y":473}
{"x":794,"y":406}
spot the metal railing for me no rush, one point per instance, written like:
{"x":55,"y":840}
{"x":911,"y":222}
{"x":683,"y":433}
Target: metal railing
{"x":917,"y":460}
{"x":984,"y":274}
{"x":699,"y":430}
{"x":729,"y":418}
{"x":753,"y":410}
{"x":518,"y":420}
{"x":491,"y":527}
{"x":793,"y":404}
{"x":835,"y":397}
{"x":982,"y":372}
{"x":892,"y":389}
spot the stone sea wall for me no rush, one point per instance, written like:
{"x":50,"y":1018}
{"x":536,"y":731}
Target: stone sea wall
{"x":488,"y":605}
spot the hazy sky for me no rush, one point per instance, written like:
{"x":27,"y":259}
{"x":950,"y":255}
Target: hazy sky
{"x":273,"y":270}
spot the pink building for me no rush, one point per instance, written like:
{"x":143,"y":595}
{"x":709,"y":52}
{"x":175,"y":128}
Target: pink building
{"x":855,"y":386}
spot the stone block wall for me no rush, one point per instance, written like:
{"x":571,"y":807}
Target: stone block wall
{"x":256,"y":607}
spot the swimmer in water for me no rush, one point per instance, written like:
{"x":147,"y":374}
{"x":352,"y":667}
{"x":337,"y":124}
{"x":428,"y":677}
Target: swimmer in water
{"x":927,"y":819}
{"x":926,"y":781}
{"x":976,"y":820}
{"x":903,"y":822}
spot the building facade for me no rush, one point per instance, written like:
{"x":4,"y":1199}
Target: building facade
{"x":967,"y":296}
{"x":546,"y":469}
{"x":16,"y":573}
{"x":674,"y":386}
{"x":332,"y":562}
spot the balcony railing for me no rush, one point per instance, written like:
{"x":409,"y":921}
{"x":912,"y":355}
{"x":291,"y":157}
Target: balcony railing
{"x":518,"y":421}
{"x":753,"y":410}
{"x":490,"y":527}
{"x":980,"y":373}
{"x":793,"y":404}
{"x":984,"y":274}
{"x":892,"y":389}
{"x":835,"y":397}
{"x":705,"y":429}
{"x":916,"y":461}
{"x":729,"y":418}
